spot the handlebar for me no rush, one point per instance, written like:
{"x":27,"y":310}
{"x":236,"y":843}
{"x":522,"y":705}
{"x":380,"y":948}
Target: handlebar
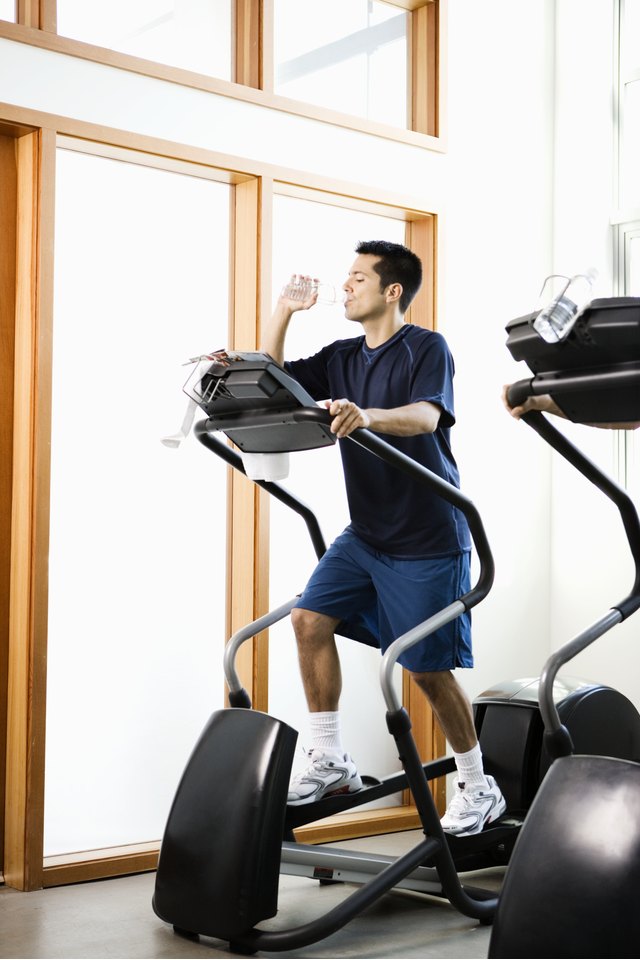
{"x":234,"y":460}
{"x":385,"y":451}
{"x":616,"y":377}
{"x":556,"y":735}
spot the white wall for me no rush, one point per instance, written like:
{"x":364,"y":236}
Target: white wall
{"x":591,"y":569}
{"x":497,"y":226}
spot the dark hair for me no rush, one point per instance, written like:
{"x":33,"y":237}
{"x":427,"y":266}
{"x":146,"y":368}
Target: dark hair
{"x":396,"y":264}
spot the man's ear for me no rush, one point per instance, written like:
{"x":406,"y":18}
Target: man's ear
{"x":394,"y":292}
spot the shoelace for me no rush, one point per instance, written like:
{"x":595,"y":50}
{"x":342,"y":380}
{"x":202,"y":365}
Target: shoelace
{"x":459,"y":803}
{"x":313,"y":768}
{"x":322,"y":764}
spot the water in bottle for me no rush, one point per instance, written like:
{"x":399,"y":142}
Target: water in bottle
{"x":300,"y":288}
{"x":569,"y":298}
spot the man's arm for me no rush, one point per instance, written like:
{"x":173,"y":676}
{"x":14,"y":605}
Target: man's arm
{"x":408,"y":421}
{"x":274,"y":332}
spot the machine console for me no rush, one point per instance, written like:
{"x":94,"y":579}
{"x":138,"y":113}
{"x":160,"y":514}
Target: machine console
{"x":596,"y":369}
{"x":254,"y":401}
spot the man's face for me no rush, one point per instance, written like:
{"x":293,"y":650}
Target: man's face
{"x":364,"y":300}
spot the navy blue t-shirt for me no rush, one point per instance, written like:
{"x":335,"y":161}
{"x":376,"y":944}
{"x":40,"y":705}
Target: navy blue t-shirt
{"x":389,"y":510}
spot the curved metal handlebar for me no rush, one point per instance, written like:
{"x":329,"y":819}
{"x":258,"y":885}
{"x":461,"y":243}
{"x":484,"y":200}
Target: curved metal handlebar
{"x":603,"y":378}
{"x":380,"y":448}
{"x":246,"y":633}
{"x":558,"y":737}
{"x":201,"y":431}
{"x":385,"y":451}
{"x":519,"y":392}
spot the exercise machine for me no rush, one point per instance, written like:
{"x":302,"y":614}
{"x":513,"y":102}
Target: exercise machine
{"x":571,"y":887}
{"x":223,"y":850}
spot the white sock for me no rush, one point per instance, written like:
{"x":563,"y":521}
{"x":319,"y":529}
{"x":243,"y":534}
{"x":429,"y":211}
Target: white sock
{"x":324,"y":730}
{"x":469,"y":766}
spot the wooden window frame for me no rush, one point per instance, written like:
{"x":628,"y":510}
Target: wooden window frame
{"x":421,"y":236}
{"x":425,"y":75}
{"x":29,"y":427}
{"x":38,"y":14}
{"x":24,"y":645}
{"x":8,"y":259}
{"x":253,"y":68}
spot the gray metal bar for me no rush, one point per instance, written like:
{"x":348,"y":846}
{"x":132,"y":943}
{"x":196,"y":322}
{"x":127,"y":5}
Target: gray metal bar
{"x":568,"y":651}
{"x":351,"y":866}
{"x":408,"y":640}
{"x":246,"y":633}
{"x":363,"y":897}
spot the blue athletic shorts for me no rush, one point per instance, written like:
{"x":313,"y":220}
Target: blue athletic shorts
{"x":377,"y":598}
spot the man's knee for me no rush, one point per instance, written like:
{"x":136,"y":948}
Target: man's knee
{"x":303,"y":622}
{"x":311,"y":627}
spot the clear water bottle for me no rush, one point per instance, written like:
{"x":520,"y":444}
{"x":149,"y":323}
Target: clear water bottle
{"x":569,"y":297}
{"x":301,"y":288}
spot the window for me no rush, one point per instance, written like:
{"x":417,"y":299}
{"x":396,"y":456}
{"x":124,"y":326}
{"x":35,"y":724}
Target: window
{"x":350,"y":57}
{"x":368,"y":58}
{"x":8,"y":10}
{"x":137,"y":562}
{"x":319,"y":239}
{"x":193,"y":34}
{"x":633,"y":258}
{"x":629,"y":102}
{"x":627,"y":445}
{"x":375,"y":65}
{"x":630,"y":258}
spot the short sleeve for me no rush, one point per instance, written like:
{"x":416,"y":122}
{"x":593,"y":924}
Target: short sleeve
{"x":432,"y":377}
{"x":311,"y":373}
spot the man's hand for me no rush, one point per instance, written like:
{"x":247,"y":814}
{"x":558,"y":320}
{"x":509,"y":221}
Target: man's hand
{"x":293,"y":303}
{"x":408,"y":421}
{"x":347,"y":417}
{"x":274,"y":331}
{"x":543,"y":403}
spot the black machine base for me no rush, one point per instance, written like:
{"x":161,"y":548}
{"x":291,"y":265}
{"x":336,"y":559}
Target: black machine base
{"x":220,"y":861}
{"x":600,"y":720}
{"x":572,"y":886}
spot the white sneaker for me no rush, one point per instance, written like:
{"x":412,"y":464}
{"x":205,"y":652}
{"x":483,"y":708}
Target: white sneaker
{"x":327,"y":775}
{"x":472,"y":809}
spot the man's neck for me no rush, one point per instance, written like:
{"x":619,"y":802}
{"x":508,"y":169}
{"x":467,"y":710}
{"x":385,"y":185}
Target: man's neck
{"x":381,"y":329}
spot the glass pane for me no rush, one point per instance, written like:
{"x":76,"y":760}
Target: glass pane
{"x":631,"y":145}
{"x":8,"y":10}
{"x":633,"y":280}
{"x":134,"y":660}
{"x":349,"y":57}
{"x":194,"y":34}
{"x":630,"y":34}
{"x":319,"y":240}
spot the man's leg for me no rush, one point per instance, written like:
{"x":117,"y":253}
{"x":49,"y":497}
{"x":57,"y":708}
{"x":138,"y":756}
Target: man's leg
{"x":318,"y":657}
{"x":451,"y":706}
{"x":331,"y":770}
{"x":477,"y":799}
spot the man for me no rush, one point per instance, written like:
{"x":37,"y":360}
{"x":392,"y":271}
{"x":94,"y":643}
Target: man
{"x":405,"y":554}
